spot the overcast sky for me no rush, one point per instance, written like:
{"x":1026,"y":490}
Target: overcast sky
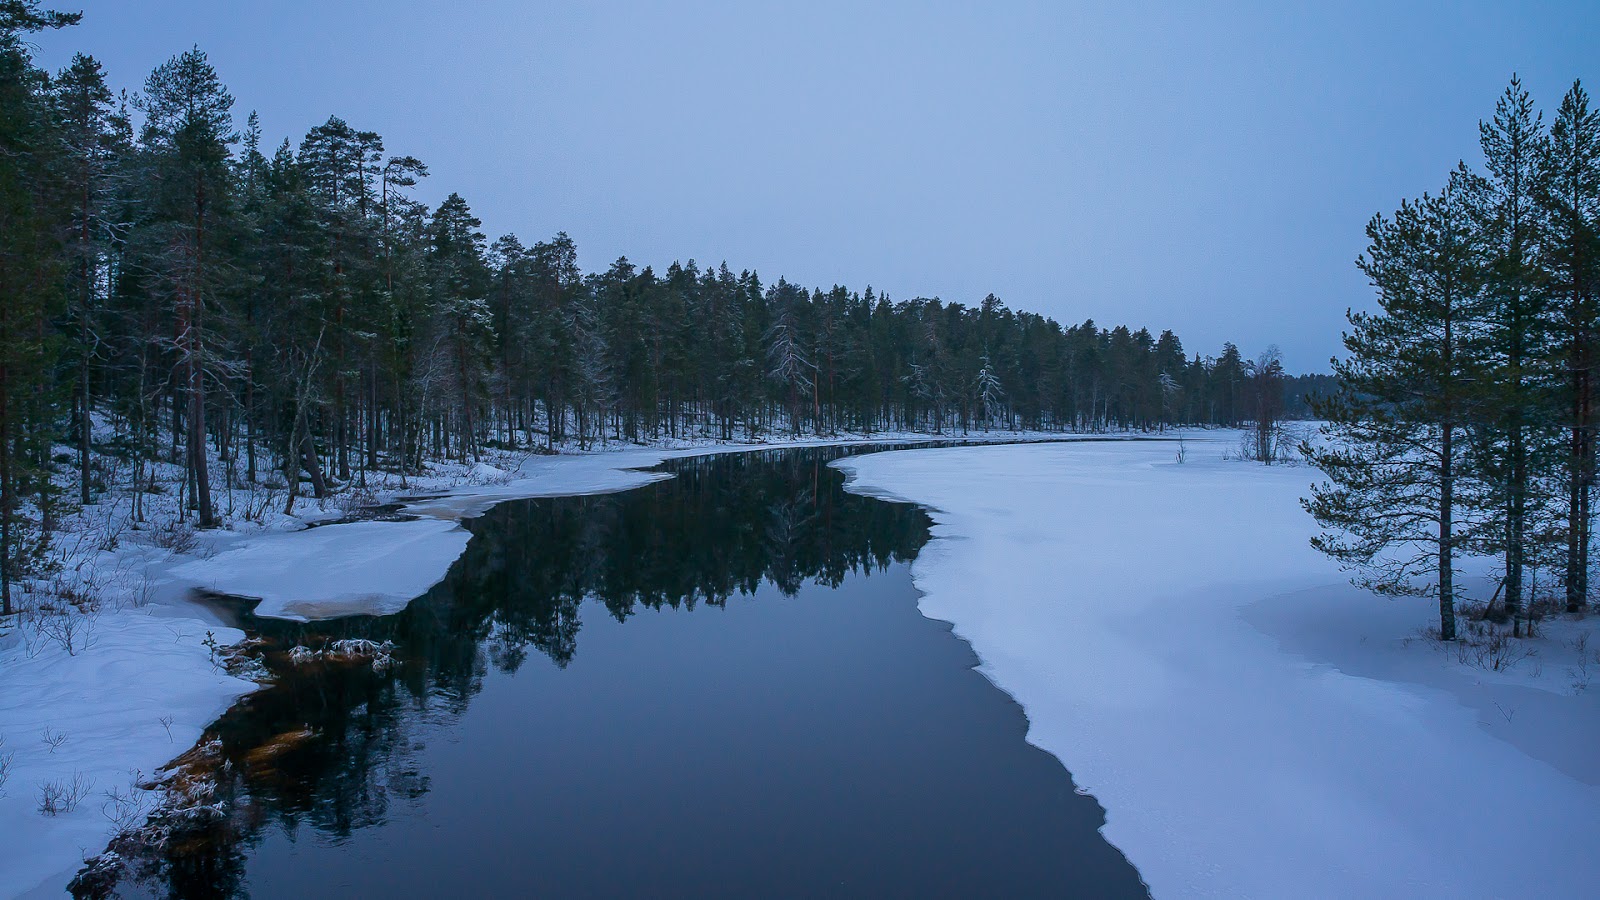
{"x":1205,"y":167}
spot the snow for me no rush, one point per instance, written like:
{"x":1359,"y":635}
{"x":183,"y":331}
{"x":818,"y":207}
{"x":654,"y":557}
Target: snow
{"x":376,"y":568}
{"x":139,"y":694}
{"x":1254,"y":726}
{"x":335,"y":570}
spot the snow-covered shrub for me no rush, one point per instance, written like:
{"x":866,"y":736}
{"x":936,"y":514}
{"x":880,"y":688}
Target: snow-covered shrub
{"x":1482,"y":645}
{"x":127,"y":808}
{"x":354,"y":499}
{"x":241,"y":665}
{"x":52,"y":738}
{"x":1280,"y":444}
{"x":179,"y":537}
{"x":59,"y":796}
{"x":1586,"y":663}
{"x":149,"y":816}
{"x":483,"y":473}
{"x":359,"y":648}
{"x":67,"y":626}
{"x":256,"y":510}
{"x":141,"y":589}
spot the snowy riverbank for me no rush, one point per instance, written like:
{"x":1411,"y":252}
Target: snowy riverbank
{"x":141,"y":683}
{"x":1253,"y":725}
{"x":378,"y":567}
{"x":91,"y":726}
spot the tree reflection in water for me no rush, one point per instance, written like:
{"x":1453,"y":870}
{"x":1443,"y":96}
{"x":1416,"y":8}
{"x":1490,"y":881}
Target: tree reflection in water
{"x":332,"y":745}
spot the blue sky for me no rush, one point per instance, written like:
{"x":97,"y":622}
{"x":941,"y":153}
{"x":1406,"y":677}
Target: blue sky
{"x":1206,"y":167}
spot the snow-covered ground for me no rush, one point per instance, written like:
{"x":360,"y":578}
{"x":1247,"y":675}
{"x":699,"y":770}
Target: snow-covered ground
{"x":378,"y":567}
{"x":138,"y":689}
{"x":1253,"y":725}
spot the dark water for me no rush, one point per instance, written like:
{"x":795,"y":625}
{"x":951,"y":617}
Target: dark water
{"x":717,"y":685}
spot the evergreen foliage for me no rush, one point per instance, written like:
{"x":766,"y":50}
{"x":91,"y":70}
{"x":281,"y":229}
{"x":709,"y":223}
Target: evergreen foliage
{"x":294,"y":315}
{"x":1464,"y":418}
{"x":1398,"y":430}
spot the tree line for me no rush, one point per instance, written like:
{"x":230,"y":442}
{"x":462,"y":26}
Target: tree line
{"x":1465,"y":419}
{"x":177,"y":292}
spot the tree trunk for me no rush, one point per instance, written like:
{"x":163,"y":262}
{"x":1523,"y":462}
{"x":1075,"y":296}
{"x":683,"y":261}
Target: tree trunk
{"x":1447,"y":593}
{"x":308,"y":449}
{"x":85,"y":405}
{"x":197,"y":393}
{"x":8,"y":487}
{"x":1578,"y":491}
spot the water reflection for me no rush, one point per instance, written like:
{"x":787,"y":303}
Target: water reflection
{"x":344,"y":752}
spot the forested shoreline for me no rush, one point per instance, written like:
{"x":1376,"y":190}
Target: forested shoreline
{"x":173,"y":290}
{"x":1465,"y":421}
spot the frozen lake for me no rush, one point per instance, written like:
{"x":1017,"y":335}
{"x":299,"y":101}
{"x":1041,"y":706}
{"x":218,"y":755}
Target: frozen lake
{"x":713,"y":685}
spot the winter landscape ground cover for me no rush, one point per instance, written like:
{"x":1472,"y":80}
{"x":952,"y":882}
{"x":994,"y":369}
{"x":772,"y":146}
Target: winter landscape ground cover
{"x":1253,"y":725}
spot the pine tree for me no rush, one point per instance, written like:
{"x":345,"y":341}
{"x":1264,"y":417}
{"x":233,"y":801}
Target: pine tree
{"x":1515,"y":427}
{"x":339,"y":162}
{"x":30,"y":264}
{"x":94,"y":137}
{"x":459,"y":277}
{"x":188,"y":128}
{"x":1569,"y":187}
{"x":1395,"y":431}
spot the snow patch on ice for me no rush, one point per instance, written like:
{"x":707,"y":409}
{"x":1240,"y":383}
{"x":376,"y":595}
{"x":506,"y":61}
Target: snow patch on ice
{"x":334,"y":570}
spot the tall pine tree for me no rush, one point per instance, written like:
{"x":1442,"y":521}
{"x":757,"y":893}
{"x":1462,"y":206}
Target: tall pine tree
{"x":1396,"y":430}
{"x":1570,"y":195}
{"x":1516,"y":424}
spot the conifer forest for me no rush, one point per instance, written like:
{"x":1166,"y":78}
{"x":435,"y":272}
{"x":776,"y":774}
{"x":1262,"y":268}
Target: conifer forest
{"x":241,"y":308}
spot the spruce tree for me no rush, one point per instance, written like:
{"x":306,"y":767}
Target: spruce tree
{"x":788,"y":365}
